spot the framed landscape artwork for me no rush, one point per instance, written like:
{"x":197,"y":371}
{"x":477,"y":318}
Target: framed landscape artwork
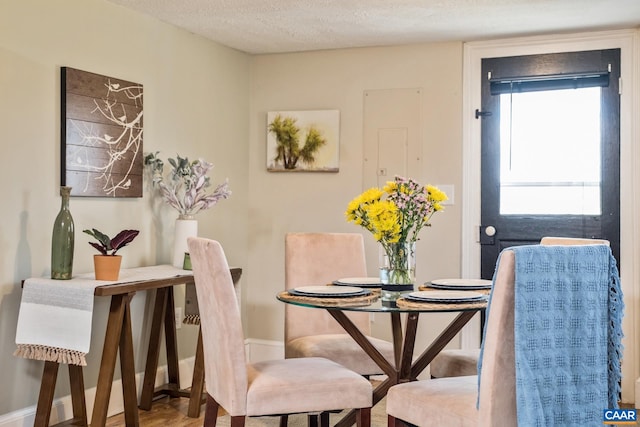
{"x":101,"y":135}
{"x":303,"y":141}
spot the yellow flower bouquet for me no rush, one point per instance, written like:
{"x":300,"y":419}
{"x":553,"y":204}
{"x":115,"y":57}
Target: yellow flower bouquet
{"x":395,"y":215}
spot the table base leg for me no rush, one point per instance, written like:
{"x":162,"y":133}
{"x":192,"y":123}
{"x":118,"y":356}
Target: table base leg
{"x":153,"y":353}
{"x":405,"y":369}
{"x":163,"y":314}
{"x":76,"y":382}
{"x":128,"y":372}
{"x":45,"y":399}
{"x":117,"y":311}
{"x":197,"y":383}
{"x":47,"y":389}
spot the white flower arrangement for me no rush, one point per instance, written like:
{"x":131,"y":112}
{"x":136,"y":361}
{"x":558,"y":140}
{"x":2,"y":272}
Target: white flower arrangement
{"x":185,"y":187}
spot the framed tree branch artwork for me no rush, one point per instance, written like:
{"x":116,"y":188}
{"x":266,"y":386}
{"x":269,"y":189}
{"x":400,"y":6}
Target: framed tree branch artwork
{"x":303,"y":141}
{"x":101,"y":135}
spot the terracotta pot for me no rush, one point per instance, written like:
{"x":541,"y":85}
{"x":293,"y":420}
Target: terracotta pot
{"x":107,"y":267}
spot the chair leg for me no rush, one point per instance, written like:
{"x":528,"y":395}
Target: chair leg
{"x":324,"y":419}
{"x":238,"y":421}
{"x":312,"y":420}
{"x":396,"y":422}
{"x":363,"y":417}
{"x":284,"y":419}
{"x":211,"y":412}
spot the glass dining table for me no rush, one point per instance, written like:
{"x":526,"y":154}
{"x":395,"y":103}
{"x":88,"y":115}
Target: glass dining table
{"x":406,"y":367}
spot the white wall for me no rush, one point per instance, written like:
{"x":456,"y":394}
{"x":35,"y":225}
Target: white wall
{"x":282,"y":202}
{"x":196,"y":104}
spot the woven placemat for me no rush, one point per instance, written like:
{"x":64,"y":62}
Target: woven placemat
{"x":332,"y":302}
{"x":429,"y":288}
{"x":404,"y":303}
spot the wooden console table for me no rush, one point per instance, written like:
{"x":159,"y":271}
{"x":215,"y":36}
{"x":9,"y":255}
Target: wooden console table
{"x":118,"y":337}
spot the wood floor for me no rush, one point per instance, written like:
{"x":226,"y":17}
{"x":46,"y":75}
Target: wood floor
{"x":165,"y":412}
{"x":168,"y":412}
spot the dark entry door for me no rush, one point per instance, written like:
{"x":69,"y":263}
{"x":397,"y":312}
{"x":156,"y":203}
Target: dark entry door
{"x":550,"y":150}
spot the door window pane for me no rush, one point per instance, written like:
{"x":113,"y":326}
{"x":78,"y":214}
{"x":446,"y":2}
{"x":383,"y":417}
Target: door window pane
{"x":550,"y":152}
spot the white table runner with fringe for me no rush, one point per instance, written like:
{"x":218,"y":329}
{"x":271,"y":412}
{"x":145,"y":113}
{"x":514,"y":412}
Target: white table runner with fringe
{"x":54,"y":321}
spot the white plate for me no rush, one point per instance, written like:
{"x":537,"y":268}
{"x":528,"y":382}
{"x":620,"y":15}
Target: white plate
{"x":462,"y":283}
{"x":446,"y":296}
{"x":364,"y":282}
{"x":326,"y":291}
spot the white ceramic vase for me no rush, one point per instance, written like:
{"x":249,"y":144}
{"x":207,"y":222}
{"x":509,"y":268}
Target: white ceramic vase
{"x":185,"y":227}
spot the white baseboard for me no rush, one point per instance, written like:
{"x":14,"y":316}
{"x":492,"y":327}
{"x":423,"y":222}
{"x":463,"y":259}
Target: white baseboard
{"x":258,"y":350}
{"x":61,"y":409}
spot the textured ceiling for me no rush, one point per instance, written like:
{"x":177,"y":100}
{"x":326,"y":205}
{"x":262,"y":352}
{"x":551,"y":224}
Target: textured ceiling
{"x":274,"y":26}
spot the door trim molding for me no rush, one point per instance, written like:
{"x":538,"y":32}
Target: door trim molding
{"x":628,"y":42}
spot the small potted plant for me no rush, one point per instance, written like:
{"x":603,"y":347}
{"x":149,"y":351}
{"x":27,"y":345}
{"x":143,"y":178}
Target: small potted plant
{"x":107,"y":263}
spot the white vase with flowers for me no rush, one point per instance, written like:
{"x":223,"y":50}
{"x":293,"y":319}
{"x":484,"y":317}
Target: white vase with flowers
{"x":185,"y":189}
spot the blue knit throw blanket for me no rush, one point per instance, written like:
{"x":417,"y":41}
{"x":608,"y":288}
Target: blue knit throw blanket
{"x":568,"y":318}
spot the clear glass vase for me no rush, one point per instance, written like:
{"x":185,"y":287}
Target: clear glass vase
{"x":397,"y":269}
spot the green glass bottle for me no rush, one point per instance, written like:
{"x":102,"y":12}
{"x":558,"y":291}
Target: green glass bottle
{"x":62,"y":240}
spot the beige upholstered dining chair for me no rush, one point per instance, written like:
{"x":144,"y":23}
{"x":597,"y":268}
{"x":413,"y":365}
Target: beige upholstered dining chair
{"x":461,"y":362}
{"x":317,"y":259}
{"x":242,"y":389}
{"x":460,"y":401}
{"x":452,"y":401}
